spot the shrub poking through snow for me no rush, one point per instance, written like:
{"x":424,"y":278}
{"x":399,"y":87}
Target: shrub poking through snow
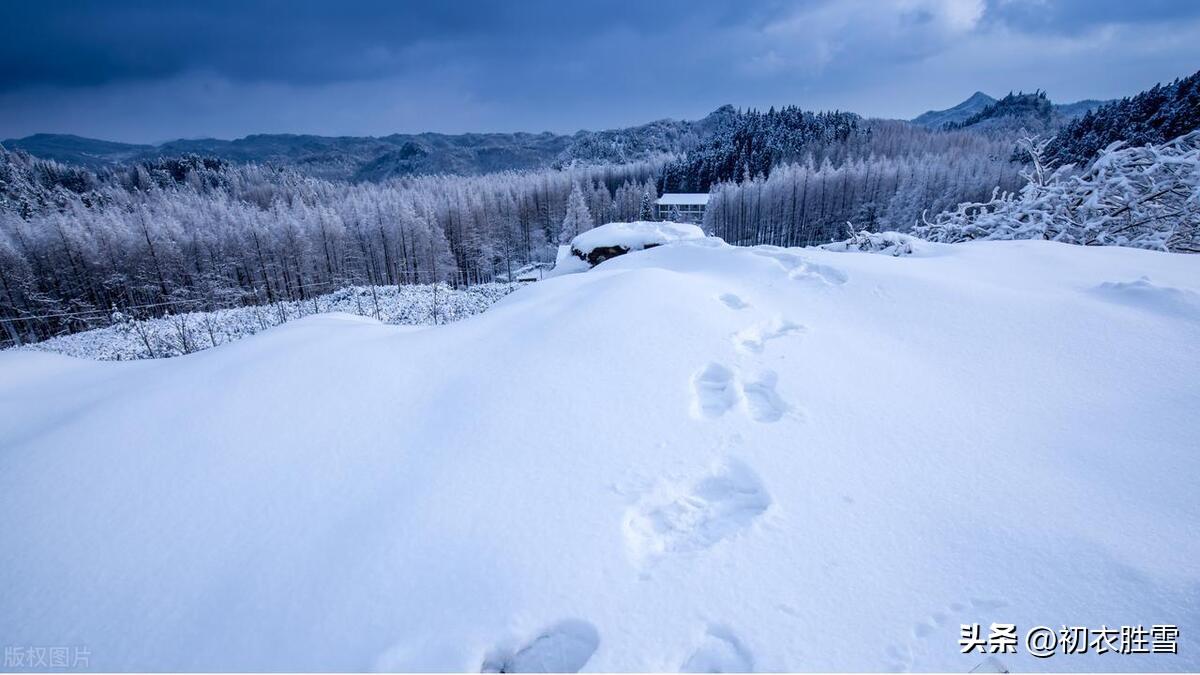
{"x":886,"y":243}
{"x":1143,"y":197}
{"x":177,"y":334}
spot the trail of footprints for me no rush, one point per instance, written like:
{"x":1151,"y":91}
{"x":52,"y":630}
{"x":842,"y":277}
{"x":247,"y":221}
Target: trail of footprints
{"x":718,"y":389}
{"x":690,"y":514}
{"x":693,"y":514}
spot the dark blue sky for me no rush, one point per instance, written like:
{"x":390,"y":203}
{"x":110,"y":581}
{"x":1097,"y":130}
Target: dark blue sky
{"x":148,"y":71}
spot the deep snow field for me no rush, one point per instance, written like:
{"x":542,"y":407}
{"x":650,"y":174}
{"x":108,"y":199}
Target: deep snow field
{"x":695,"y":457}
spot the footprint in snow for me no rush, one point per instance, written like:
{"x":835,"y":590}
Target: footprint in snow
{"x":753,"y":339}
{"x":717,"y":389}
{"x":564,"y":647}
{"x":690,"y":516}
{"x":719,"y":651}
{"x":763,"y":404}
{"x":800,"y":269}
{"x":732,"y":301}
{"x":714,"y":391}
{"x":946,"y":620}
{"x":900,"y":658}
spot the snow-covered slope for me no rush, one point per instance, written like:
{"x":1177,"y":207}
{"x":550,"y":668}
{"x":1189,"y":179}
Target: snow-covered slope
{"x":691,"y":457}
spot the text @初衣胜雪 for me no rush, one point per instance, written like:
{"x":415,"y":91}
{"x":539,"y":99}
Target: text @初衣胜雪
{"x":1044,"y":641}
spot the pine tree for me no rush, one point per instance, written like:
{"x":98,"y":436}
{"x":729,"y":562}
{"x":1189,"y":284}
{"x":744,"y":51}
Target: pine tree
{"x":646,"y":208}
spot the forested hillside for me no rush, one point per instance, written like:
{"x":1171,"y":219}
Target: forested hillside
{"x":752,"y":143}
{"x":1155,"y":116}
{"x":882,"y":177}
{"x":1031,"y":112}
{"x":940,"y":119}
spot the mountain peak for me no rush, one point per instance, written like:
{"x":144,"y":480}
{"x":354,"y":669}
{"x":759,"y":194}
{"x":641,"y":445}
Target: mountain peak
{"x":935,"y":119}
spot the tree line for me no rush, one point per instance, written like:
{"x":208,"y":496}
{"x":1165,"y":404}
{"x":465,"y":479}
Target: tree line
{"x":185,"y":234}
{"x":880,"y":181}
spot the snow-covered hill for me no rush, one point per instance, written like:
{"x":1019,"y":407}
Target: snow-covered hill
{"x":692,"y":457}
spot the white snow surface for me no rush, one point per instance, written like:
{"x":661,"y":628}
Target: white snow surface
{"x":694,"y":457}
{"x":566,"y":262}
{"x":635,"y":236}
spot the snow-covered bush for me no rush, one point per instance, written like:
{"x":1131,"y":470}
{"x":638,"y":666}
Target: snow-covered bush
{"x":1144,"y":197}
{"x":176,"y":334}
{"x":886,"y":243}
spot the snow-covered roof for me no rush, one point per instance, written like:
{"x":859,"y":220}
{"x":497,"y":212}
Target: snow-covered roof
{"x":682,"y":198}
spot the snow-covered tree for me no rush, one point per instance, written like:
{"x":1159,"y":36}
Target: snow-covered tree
{"x":1145,"y":197}
{"x":646,"y":206}
{"x":177,"y":235}
{"x":578,"y":219}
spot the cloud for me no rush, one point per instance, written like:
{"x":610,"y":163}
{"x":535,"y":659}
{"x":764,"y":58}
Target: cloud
{"x":855,"y":32}
{"x":1076,"y":17}
{"x":87,"y":42}
{"x":150,"y":70}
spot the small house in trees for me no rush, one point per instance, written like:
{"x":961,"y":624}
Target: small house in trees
{"x":682,"y":207}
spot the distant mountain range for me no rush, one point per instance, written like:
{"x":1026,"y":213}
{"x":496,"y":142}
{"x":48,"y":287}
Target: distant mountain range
{"x":359,"y":158}
{"x":379,"y":158}
{"x":974,"y":111}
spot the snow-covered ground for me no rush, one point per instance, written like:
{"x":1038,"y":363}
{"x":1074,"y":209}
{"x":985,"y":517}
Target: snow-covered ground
{"x":692,"y":457}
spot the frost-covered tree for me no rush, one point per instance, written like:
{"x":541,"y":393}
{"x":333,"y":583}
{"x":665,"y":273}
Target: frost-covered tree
{"x":1145,"y":197}
{"x":600,"y":204}
{"x":882,"y":182}
{"x":646,"y":205}
{"x":750,"y":143}
{"x":176,"y":235}
{"x":577,"y":219}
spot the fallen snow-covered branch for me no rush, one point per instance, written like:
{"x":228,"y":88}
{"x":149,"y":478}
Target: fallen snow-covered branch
{"x":886,"y":243}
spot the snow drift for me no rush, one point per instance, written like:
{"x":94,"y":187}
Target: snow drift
{"x":612,"y":239}
{"x":695,"y":457}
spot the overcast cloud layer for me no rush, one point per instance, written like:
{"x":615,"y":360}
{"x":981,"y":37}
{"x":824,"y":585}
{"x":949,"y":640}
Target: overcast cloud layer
{"x":148,"y":71}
